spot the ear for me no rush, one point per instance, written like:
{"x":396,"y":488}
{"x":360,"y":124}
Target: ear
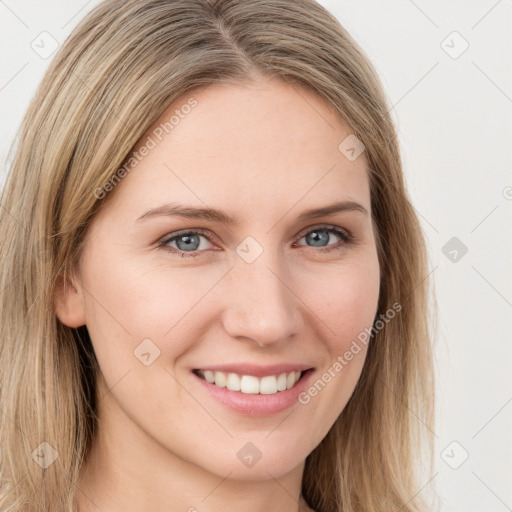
{"x":69,"y":303}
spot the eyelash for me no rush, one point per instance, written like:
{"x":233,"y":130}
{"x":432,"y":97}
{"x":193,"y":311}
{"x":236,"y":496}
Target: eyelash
{"x":346,"y":238}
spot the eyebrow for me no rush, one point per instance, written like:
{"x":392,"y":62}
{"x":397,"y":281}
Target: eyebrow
{"x":212,"y":214}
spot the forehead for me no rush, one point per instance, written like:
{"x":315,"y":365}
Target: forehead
{"x":262,"y":147}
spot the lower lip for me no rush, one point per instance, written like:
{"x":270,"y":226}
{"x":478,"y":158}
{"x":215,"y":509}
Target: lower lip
{"x":257,"y":405}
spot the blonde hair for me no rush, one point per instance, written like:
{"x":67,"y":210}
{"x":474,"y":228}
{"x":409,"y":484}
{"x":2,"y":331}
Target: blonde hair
{"x":107,"y":85}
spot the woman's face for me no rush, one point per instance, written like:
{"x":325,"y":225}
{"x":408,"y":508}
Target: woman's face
{"x":272,"y":292}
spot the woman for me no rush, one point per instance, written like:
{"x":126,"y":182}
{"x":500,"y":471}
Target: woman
{"x":214,"y":280}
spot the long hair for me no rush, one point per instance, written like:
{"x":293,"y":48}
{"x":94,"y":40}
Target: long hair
{"x":108,"y":83}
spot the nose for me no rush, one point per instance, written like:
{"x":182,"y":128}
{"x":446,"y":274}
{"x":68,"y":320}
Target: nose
{"x":260,"y":302}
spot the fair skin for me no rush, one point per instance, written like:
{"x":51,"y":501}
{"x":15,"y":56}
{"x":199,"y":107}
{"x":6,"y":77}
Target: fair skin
{"x":264,"y":154}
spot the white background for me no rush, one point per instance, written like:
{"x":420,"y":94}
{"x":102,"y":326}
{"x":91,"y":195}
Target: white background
{"x":455,"y":125}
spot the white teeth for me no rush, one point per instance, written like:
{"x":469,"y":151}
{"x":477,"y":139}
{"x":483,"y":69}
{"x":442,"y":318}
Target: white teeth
{"x":220,"y":379}
{"x":209,"y":376}
{"x":233,"y":382}
{"x":249,"y":384}
{"x":268,"y":385}
{"x":281,"y":382}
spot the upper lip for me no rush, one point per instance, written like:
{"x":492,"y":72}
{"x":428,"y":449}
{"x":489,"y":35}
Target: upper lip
{"x":256,"y":370}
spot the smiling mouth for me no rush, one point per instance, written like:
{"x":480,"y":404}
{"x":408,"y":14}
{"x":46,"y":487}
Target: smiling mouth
{"x":249,"y":384}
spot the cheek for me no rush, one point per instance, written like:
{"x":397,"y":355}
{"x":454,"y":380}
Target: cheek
{"x":346,"y":306}
{"x":139,"y":300}
{"x":347,"y":301}
{"x":142,"y":319}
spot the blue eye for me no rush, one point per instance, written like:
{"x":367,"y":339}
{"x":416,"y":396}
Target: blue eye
{"x":188,"y":243}
{"x":323,"y":233}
